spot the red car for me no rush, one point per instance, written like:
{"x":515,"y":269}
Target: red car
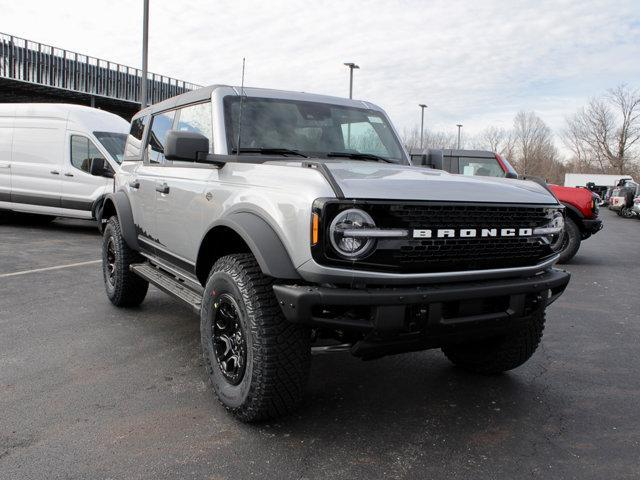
{"x":581,"y":220}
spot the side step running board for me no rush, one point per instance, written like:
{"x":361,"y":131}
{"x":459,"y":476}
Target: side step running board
{"x":168,"y":284}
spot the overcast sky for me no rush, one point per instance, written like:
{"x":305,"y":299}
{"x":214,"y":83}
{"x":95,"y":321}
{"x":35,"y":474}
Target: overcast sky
{"x":473,"y":62}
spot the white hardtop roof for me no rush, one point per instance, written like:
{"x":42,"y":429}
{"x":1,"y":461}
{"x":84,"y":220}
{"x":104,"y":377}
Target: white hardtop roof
{"x":204,"y":93}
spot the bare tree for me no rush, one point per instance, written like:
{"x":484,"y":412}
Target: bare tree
{"x":497,"y":140}
{"x":411,"y":139}
{"x":534,"y":151}
{"x":606,"y":133}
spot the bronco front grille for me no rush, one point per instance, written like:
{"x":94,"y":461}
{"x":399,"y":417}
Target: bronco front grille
{"x":430,"y":255}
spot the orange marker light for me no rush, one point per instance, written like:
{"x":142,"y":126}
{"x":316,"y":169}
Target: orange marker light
{"x":314,"y":228}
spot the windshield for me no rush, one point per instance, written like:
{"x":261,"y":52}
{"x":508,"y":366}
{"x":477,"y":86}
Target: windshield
{"x":313,"y":129}
{"x":113,"y":143}
{"x":486,"y":167}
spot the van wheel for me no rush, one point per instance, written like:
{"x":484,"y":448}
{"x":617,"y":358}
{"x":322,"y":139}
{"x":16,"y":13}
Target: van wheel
{"x":499,"y":354}
{"x":124,"y":288}
{"x":570,"y":241}
{"x":257,"y":361}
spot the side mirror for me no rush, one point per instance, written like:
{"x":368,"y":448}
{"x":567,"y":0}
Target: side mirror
{"x":100,"y":168}
{"x":186,"y":146}
{"x":511,"y":175}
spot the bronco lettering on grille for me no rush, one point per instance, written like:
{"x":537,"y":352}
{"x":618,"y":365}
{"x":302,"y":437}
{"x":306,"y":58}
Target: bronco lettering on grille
{"x":472,"y":232}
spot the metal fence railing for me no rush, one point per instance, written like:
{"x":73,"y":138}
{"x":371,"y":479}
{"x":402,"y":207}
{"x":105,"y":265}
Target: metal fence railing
{"x":49,"y":66}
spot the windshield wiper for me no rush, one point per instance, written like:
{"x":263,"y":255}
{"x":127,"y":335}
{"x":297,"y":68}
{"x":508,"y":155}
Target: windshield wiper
{"x":269,"y":151}
{"x":359,"y":156}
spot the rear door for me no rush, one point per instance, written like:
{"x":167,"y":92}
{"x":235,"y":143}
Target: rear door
{"x":6,"y":139}
{"x":80,"y":189}
{"x":148,"y":179}
{"x":37,"y":164}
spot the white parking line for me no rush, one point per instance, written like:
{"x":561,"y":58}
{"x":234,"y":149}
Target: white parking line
{"x":46,"y":269}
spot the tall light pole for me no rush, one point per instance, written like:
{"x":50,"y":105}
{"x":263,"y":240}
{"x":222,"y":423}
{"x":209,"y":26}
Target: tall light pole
{"x":352,"y":66}
{"x":459,"y":125}
{"x":145,"y":53}
{"x":422,"y":107}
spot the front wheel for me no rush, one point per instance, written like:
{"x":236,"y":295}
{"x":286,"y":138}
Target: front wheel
{"x":124,"y":288}
{"x":571,"y":239}
{"x":499,"y":354}
{"x":257,"y":361}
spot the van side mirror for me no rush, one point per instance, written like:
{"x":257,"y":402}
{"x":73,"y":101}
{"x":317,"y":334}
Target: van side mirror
{"x":100,"y":168}
{"x":511,"y":175}
{"x":186,"y":146}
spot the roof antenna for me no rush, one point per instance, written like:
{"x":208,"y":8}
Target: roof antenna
{"x":240,"y":113}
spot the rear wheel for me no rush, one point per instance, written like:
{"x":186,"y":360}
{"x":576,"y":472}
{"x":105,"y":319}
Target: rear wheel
{"x":124,"y":288}
{"x":502,"y":353}
{"x":571,"y":239}
{"x":257,"y":361}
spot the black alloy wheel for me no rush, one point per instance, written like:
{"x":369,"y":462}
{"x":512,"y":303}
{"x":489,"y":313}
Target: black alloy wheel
{"x":110,"y":263}
{"x":230,"y":344}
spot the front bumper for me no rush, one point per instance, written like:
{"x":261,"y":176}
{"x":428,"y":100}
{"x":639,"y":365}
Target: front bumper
{"x":590,"y":227}
{"x":401,"y":309}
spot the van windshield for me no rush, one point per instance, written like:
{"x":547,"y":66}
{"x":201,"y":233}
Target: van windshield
{"x":113,"y":142}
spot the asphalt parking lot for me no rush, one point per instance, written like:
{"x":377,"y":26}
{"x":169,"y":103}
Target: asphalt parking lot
{"x":91,"y":391}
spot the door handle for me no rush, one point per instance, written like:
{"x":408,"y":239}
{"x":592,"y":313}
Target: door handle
{"x":5,"y":165}
{"x":55,"y":172}
{"x":162,"y":188}
{"x":134,"y":184}
{"x":68,"y":174}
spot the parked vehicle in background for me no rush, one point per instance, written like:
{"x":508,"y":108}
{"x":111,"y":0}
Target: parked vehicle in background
{"x":47,"y":152}
{"x":291,"y":222}
{"x":598,"y":179}
{"x":636,"y":207}
{"x":622,"y":198}
{"x":581,"y":214}
{"x":607,"y":196}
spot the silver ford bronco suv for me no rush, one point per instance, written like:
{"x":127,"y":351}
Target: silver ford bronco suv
{"x":294,"y":223}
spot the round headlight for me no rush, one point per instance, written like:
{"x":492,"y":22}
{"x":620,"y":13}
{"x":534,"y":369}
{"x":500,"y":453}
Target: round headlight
{"x":343,"y":233}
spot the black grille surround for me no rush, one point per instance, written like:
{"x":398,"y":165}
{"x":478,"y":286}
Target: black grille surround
{"x":434,"y":255}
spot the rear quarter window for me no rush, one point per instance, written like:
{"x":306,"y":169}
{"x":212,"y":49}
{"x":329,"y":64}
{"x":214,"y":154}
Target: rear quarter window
{"x":133,"y":147}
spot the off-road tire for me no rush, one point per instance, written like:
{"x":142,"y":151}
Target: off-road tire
{"x":499,"y":354}
{"x":570,"y":242}
{"x":278,"y":352}
{"x":124,"y":288}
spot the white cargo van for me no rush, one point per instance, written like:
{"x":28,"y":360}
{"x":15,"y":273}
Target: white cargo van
{"x":46,"y":156}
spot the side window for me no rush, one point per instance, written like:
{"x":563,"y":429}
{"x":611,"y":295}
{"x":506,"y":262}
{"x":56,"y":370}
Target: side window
{"x":197,"y":119}
{"x":83,"y":151}
{"x":133,"y":147}
{"x":160,"y":125}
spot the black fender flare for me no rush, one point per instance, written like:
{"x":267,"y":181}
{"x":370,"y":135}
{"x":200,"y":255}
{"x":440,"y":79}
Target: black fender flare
{"x":120,"y":203}
{"x":264,"y":243}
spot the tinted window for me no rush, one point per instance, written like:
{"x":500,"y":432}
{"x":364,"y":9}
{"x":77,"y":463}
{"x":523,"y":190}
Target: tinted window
{"x":137,"y":127}
{"x":197,"y":119}
{"x":83,"y":151}
{"x":160,"y":126}
{"x":132,"y":149}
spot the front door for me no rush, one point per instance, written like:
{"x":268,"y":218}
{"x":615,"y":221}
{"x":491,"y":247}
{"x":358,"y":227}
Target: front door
{"x":185,"y":195}
{"x":80,"y":189}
